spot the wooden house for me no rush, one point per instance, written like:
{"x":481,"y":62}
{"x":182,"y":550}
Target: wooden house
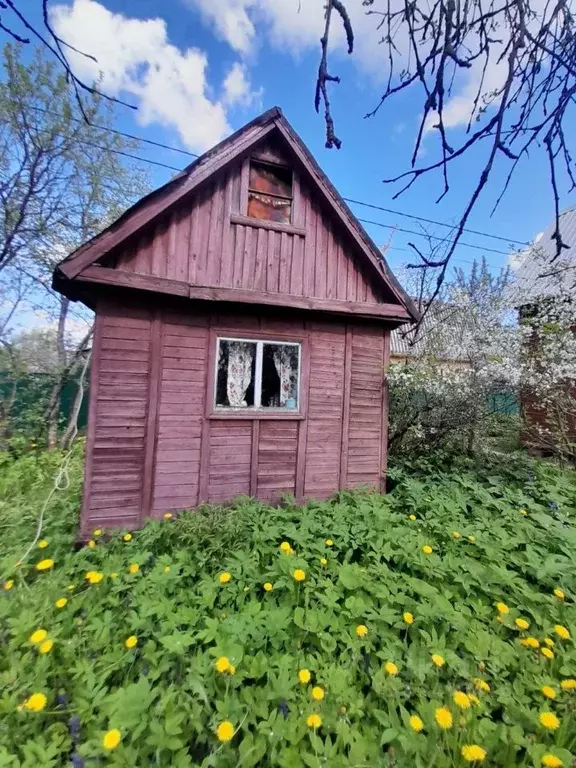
{"x":243,"y":321}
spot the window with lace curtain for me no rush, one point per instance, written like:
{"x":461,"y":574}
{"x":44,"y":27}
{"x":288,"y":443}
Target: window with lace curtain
{"x":257,"y":375}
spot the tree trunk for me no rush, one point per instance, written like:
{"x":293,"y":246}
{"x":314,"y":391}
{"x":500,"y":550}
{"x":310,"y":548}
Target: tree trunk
{"x":61,"y":378}
{"x":72,"y":426}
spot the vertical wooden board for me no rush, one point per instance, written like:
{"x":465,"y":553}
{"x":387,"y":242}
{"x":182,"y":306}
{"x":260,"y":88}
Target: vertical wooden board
{"x":332,"y":265}
{"x":159,"y":250}
{"x":239,"y":242}
{"x":385,"y":412}
{"x":346,"y":409}
{"x":341,"y":279}
{"x":235,"y":172}
{"x":171,"y":269}
{"x":309,"y":250}
{"x":154,"y":375}
{"x":272,"y":262}
{"x":193,"y":245}
{"x":320,"y":260}
{"x":229,"y":469}
{"x":183,"y":235}
{"x":226,"y":251}
{"x":254,"y":457}
{"x":214,"y":255}
{"x":285,"y":265}
{"x":248,"y":257}
{"x":296,"y":266}
{"x":262,"y":241}
{"x":85,"y":522}
{"x":276,"y":458}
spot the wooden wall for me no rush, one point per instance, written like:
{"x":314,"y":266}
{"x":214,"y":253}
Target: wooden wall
{"x":153,"y":447}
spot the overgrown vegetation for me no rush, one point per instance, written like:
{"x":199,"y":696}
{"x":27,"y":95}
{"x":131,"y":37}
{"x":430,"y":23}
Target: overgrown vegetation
{"x":129,"y":666}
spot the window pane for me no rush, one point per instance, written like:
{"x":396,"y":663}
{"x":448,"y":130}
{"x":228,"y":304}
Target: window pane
{"x":280,"y":376}
{"x":235,"y":374}
{"x":269,"y":208}
{"x":271,"y":180}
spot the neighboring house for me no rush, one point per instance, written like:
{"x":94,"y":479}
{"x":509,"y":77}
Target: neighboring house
{"x":443,"y":334}
{"x":243,"y":321}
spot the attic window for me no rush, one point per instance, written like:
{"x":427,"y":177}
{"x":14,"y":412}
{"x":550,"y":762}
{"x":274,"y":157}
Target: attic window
{"x":270,"y":192}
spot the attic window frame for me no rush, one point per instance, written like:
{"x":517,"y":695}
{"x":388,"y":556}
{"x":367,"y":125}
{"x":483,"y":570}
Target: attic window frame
{"x":270,"y":164}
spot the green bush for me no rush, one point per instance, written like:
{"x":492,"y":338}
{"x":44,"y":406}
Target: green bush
{"x":495,"y":538}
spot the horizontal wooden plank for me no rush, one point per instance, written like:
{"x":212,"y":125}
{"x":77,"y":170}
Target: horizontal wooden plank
{"x":109,"y":499}
{"x":184,"y":409}
{"x":123,"y":366}
{"x":134,"y":345}
{"x":184,"y":363}
{"x":165,"y":467}
{"x":178,"y":443}
{"x":173,"y":490}
{"x":197,"y":340}
{"x":125,"y":354}
{"x":178,"y":455}
{"x":274,"y":226}
{"x":138,"y":334}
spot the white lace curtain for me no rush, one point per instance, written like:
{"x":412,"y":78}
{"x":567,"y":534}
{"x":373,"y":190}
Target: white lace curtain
{"x":240,"y":357}
{"x":287,"y":375}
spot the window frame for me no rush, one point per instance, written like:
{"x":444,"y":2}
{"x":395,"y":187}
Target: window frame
{"x":256,"y":410}
{"x":291,"y":198}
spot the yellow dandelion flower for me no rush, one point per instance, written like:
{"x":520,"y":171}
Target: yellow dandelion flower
{"x":304,"y":676}
{"x":38,"y":636}
{"x":548,"y":691}
{"x":549,"y":642}
{"x":530,"y":642}
{"x":559,"y":594}
{"x":438,"y":660}
{"x":299,"y":574}
{"x":549,"y":720}
{"x":317,"y":693}
{"x":522,"y":624}
{"x":314,"y":721}
{"x":225,"y":731}
{"x":224,"y":577}
{"x":547,"y":652}
{"x":329,"y":543}
{"x":408,"y":617}
{"x":134,"y":568}
{"x":443,"y":717}
{"x":323,"y":561}
{"x":168,"y":515}
{"x":127,"y":537}
{"x":36,"y":702}
{"x":568,"y":685}
{"x":91,"y":543}
{"x":472,"y":539}
{"x":131,"y":642}
{"x":268,"y":587}
{"x":61,"y":602}
{"x":8,"y":584}
{"x":222,"y":664}
{"x":523,"y":512}
{"x":42,"y":544}
{"x":46,"y":646}
{"x":462,"y":700}
{"x":551,"y":761}
{"x":111,"y":739}
{"x":94,"y":577}
{"x":474,"y":699}
{"x":481,"y":685}
{"x":391,"y":668}
{"x":456,"y":535}
{"x":472,"y":753}
{"x":45,"y":565}
{"x":361,"y":630}
{"x":502,"y":608}
{"x":562,"y":632}
{"x":166,"y":569}
{"x":97,"y":532}
{"x":427,"y":549}
{"x":285,"y":547}
{"x":412,"y":517}
{"x":416,"y":723}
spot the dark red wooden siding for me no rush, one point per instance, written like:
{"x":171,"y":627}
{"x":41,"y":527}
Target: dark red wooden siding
{"x":153,"y":447}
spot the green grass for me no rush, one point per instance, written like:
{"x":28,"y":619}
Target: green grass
{"x":165,"y":695}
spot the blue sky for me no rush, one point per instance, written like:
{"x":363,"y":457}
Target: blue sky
{"x":249,"y":55}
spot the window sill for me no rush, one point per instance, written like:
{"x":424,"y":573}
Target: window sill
{"x":275,"y":226}
{"x":247,"y":414}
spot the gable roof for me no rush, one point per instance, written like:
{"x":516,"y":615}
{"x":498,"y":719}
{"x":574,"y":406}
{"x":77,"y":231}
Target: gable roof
{"x":228,"y":150}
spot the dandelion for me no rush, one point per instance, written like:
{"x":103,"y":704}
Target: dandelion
{"x":8,"y":584}
{"x":427,"y":549}
{"x":91,"y":543}
{"x":523,"y":512}
{"x":222,"y":664}
{"x":70,"y":587}
{"x":551,"y":761}
{"x":481,"y":685}
{"x":97,"y":532}
{"x":548,"y":691}
{"x":224,"y":577}
{"x":127,"y":537}
{"x":361,"y":630}
{"x":472,"y":539}
{"x":317,"y":693}
{"x":268,"y":587}
{"x":38,"y":636}
{"x":45,"y":565}
{"x":530,"y":642}
{"x":111,"y":739}
{"x":231,"y":669}
{"x":412,"y":517}
{"x":438,"y":660}
{"x":323,"y":561}
{"x":36,"y":702}
{"x":462,"y":700}
{"x":562,"y":632}
{"x":408,"y":617}
{"x":134,"y":568}
{"x":391,"y":668}
{"x":94,"y":577}
{"x":549,"y":642}
{"x":549,"y":720}
{"x":42,"y":544}
{"x":502,"y":608}
{"x":329,"y":543}
{"x":131,"y":642}
{"x":113,"y":575}
{"x":46,"y":646}
{"x":473,"y":753}
{"x":314,"y":721}
{"x":456,"y":535}
{"x":416,"y":723}
{"x":61,"y":602}
{"x":166,"y":569}
{"x":568,"y":685}
{"x":547,"y":652}
{"x":225,"y":731}
{"x":299,"y":575}
{"x":168,"y":515}
{"x":285,"y":547}
{"x":474,"y":699}
{"x":304,"y":676}
{"x":443,"y":717}
{"x":522,"y":624}
{"x":559,"y":594}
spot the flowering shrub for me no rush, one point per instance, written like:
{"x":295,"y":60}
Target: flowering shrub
{"x":384,"y":655}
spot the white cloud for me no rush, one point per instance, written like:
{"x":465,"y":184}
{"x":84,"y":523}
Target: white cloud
{"x":136,"y":57}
